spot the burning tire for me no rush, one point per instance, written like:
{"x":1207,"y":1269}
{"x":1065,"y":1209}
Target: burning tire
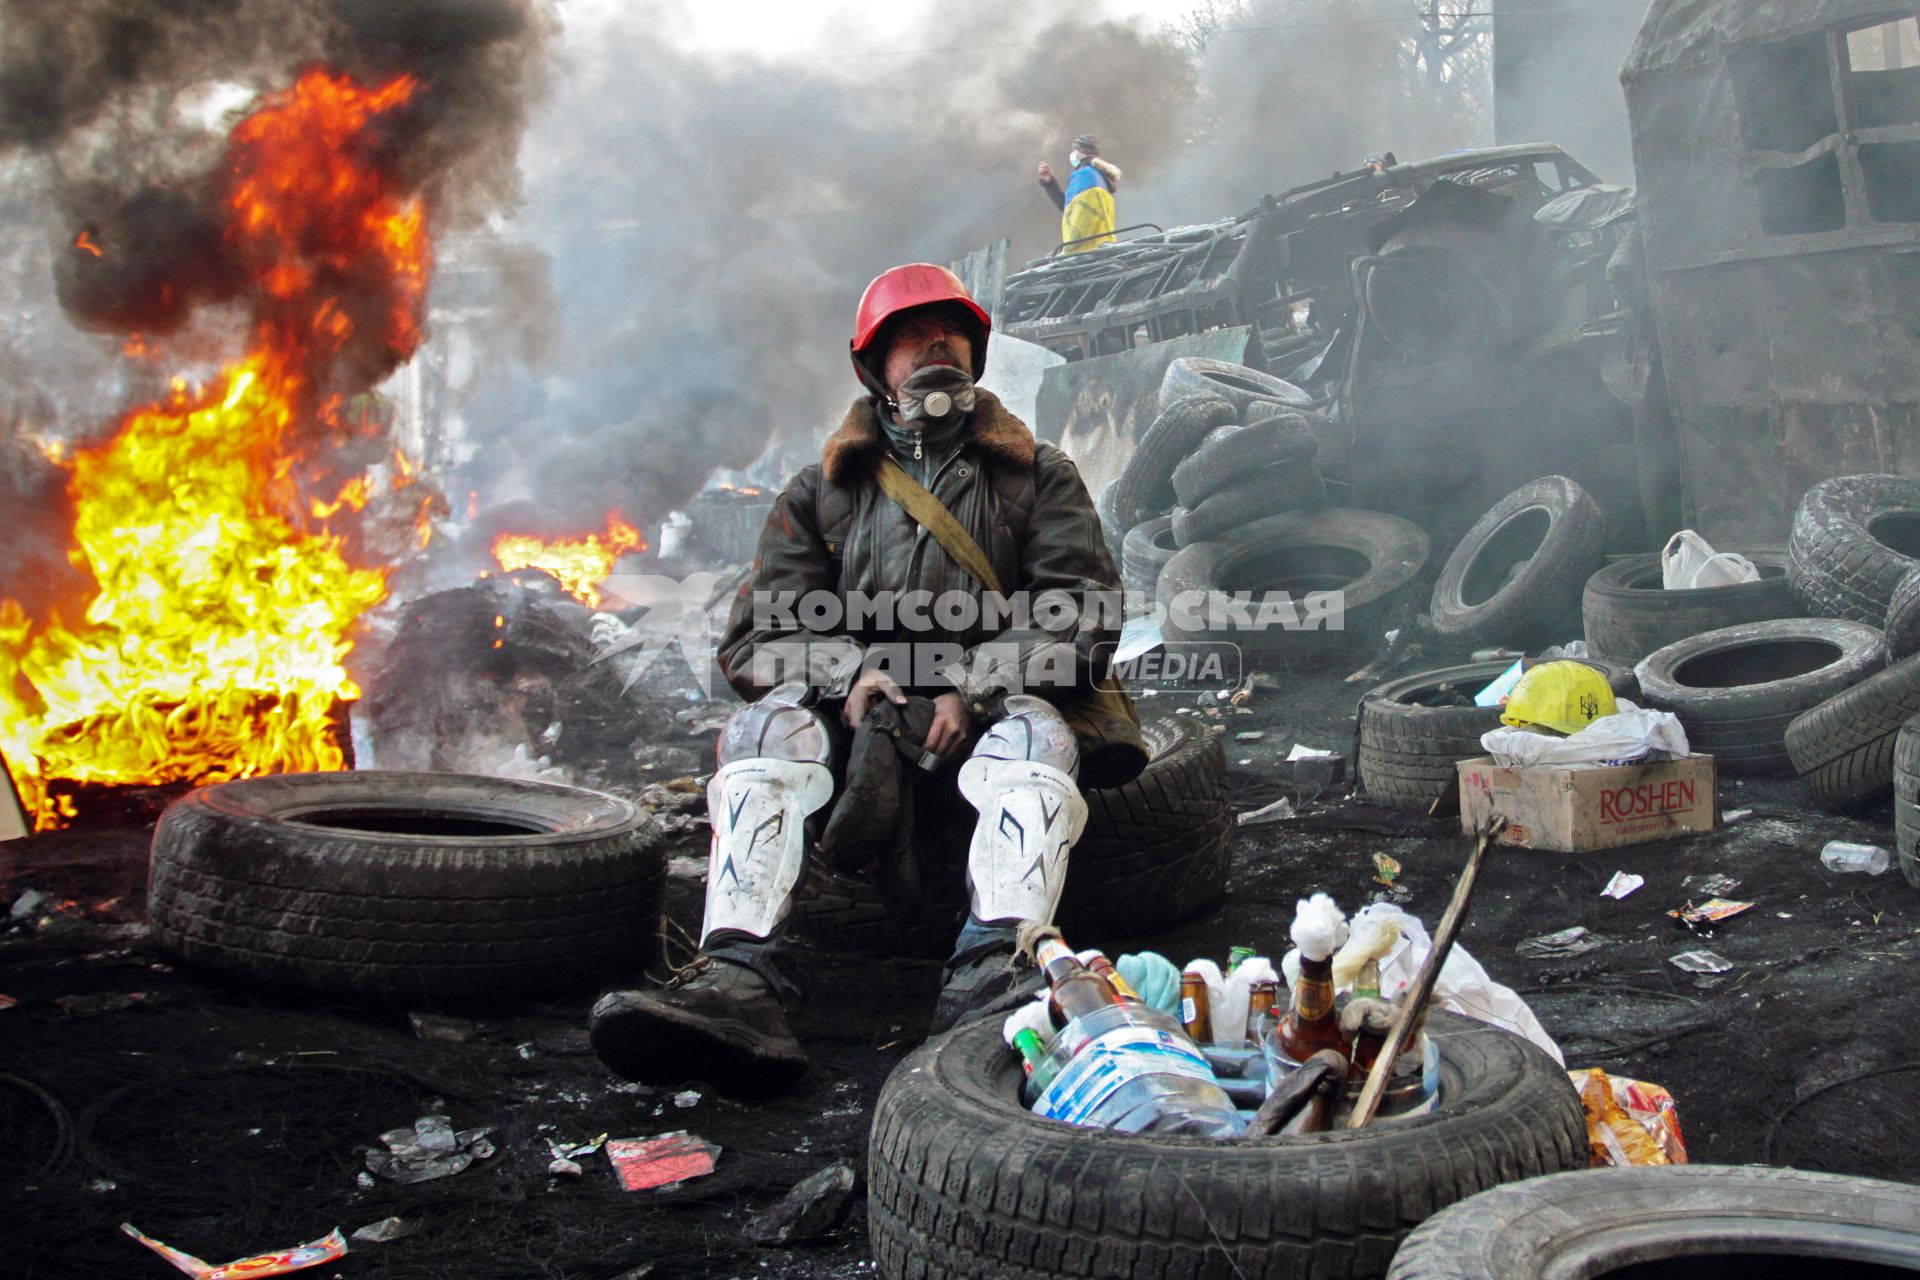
{"x":1854,"y":538}
{"x":1515,"y":578}
{"x":1369,"y":556}
{"x":963,"y":1181}
{"x":1628,"y":614}
{"x":1148,"y":547}
{"x":406,"y":886}
{"x":1737,"y":689}
{"x":1237,"y":384}
{"x":1409,"y":746}
{"x":1844,"y":747}
{"x":1145,"y":488}
{"x":1154,"y":853}
{"x":1700,"y":1220}
{"x":1230,"y":454}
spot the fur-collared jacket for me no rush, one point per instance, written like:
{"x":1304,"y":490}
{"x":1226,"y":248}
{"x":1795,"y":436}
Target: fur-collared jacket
{"x":833,"y":530}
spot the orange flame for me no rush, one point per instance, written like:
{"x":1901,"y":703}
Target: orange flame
{"x":214,"y":644}
{"x":85,"y":241}
{"x":581,"y":564}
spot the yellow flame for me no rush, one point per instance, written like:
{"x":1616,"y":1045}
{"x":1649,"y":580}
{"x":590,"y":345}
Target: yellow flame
{"x":581,"y":564}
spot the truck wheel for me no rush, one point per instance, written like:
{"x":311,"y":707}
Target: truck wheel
{"x":1853,"y":539}
{"x":963,"y":1181}
{"x":1154,"y":852}
{"x":1628,"y":614}
{"x":1737,"y":689}
{"x":1844,"y":746}
{"x":1409,"y":747}
{"x":1515,"y":578}
{"x":406,"y":886}
{"x":1704,"y":1220}
{"x":1237,"y":384}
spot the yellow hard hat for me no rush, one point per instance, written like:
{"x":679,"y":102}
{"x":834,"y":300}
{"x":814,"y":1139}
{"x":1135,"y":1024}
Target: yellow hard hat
{"x":1563,"y":696}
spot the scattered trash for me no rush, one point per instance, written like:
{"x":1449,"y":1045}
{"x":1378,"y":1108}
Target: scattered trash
{"x":364,"y":1181}
{"x":1734,"y":815}
{"x":431,"y":1149}
{"x":1386,"y":869}
{"x":811,"y":1210}
{"x":1497,"y":655}
{"x":438,"y":1026}
{"x":688,"y":867}
{"x":386,"y":1230}
{"x":1701,"y":962}
{"x":29,"y":901}
{"x":1714,"y":886}
{"x":1631,"y":735}
{"x":687,"y":1098}
{"x":1629,"y":1122}
{"x":1576,"y":941}
{"x":1689,"y":562}
{"x":1844,"y":856}
{"x":1310,"y":753}
{"x":574,"y":1150}
{"x":561,"y":1167}
{"x":312,"y":1254}
{"x":1703,"y":918}
{"x":1573,"y":649}
{"x":95,"y":1005}
{"x":1252,"y":735}
{"x":7,"y":1002}
{"x":661,"y":1163}
{"x":1622,"y":884}
{"x":1279,"y":811}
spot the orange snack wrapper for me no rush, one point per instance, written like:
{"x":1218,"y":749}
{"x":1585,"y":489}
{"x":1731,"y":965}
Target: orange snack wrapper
{"x":1630,"y":1123}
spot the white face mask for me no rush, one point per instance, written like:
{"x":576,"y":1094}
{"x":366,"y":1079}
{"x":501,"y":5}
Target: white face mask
{"x":1074,"y":157}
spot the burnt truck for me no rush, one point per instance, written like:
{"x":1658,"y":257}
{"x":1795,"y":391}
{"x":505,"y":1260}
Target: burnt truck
{"x":1454,"y":319}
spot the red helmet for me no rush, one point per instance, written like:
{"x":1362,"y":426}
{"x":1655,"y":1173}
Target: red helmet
{"x":918,"y":284}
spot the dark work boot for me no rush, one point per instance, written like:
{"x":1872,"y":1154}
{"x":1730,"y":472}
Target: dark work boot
{"x":987,"y":975}
{"x":724,"y":1025}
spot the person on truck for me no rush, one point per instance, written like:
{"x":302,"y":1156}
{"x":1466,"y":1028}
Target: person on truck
{"x":929,"y":489}
{"x":1086,"y":205}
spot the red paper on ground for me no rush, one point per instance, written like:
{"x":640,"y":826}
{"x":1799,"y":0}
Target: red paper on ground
{"x":641,"y":1163}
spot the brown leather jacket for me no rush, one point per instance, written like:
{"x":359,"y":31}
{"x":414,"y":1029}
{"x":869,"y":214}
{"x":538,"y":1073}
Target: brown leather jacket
{"x":834,"y":530}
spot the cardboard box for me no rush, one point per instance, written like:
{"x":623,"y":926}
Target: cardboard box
{"x":1576,"y":810}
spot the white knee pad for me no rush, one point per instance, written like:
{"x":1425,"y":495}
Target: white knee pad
{"x":1031,"y":812}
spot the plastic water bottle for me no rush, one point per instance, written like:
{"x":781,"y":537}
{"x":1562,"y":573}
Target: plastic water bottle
{"x":1126,"y":1067}
{"x":1843,"y":856}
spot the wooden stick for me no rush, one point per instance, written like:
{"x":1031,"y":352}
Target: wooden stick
{"x":1413,"y":1010}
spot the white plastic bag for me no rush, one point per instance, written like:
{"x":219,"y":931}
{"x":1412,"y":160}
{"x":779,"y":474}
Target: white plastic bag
{"x":1632,"y":735}
{"x":1463,"y":986}
{"x":1690,"y":562}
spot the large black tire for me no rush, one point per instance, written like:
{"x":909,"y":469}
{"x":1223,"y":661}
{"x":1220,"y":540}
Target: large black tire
{"x":1628,"y":614}
{"x":1844,"y":746}
{"x":1853,"y":539}
{"x":406,"y":886}
{"x":1408,"y":750}
{"x":1374,"y":558}
{"x":1737,"y":689}
{"x":1237,"y":384}
{"x":1906,"y":800}
{"x":1903,"y":619}
{"x":1515,"y":578}
{"x":963,"y":1182}
{"x":1707,"y":1220}
{"x":1275,"y":491}
{"x":1154,"y":852}
{"x":1148,"y":547}
{"x":1230,"y":454}
{"x":1145,"y":487}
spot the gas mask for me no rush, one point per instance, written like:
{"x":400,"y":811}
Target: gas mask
{"x":1074,"y":158}
{"x":934,"y":395}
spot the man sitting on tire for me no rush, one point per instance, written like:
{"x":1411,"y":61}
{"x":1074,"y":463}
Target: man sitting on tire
{"x":928,"y":487}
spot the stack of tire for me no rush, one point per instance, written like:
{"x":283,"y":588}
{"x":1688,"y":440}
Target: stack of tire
{"x":1223,"y":493}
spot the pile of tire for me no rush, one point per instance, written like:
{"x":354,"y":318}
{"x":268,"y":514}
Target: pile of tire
{"x":964,"y":1181}
{"x":1514,"y":579}
{"x":1223,"y":495}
